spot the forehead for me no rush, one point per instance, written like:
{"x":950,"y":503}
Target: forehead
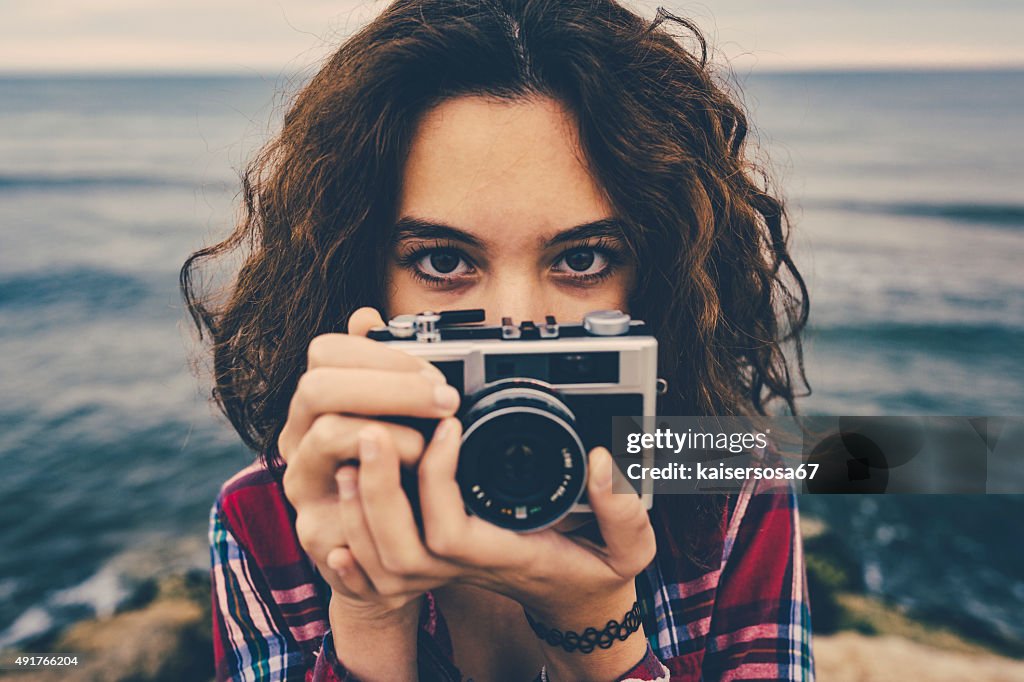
{"x":488,"y":165}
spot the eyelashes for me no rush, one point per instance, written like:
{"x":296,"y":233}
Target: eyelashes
{"x":435,"y":264}
{"x":444,"y":264}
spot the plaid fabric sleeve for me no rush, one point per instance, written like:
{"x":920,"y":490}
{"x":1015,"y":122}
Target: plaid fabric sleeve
{"x":270,"y":619}
{"x":649,"y":669}
{"x":760,"y":626}
{"x":328,"y":668}
{"x":250,"y":643}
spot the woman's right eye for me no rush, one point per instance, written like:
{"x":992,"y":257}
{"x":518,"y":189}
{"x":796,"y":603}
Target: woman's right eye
{"x":441,"y":264}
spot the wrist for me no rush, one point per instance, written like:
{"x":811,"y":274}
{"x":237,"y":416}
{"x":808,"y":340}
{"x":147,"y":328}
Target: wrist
{"x":346,"y":613}
{"x":579,"y":611}
{"x":593,"y":660}
{"x":592,"y":637}
{"x":374,"y":643}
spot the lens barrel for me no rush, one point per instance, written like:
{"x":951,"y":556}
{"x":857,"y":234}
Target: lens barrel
{"x":522,"y":464}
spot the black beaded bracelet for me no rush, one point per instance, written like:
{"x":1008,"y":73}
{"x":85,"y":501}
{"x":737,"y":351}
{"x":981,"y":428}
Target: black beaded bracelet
{"x":591,"y":637}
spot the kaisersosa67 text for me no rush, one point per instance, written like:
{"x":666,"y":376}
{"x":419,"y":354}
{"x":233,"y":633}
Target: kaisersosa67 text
{"x":720,"y":472}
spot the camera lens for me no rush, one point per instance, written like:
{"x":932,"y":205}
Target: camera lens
{"x":515,"y":472}
{"x":522,"y":465}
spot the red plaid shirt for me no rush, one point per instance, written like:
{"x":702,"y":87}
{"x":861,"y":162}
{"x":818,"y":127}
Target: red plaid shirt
{"x":746,"y":618}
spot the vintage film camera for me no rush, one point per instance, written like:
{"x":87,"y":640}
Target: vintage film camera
{"x":536,"y":399}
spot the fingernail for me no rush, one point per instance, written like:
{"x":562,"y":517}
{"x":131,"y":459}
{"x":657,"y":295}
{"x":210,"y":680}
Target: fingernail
{"x":434,"y":374}
{"x":606,"y":476}
{"x":443,"y":430}
{"x":346,"y":485}
{"x":368,"y":445}
{"x":446,"y":397}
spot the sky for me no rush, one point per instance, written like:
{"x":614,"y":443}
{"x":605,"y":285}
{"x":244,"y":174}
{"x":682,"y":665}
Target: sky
{"x":270,"y":38}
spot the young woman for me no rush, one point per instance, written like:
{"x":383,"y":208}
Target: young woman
{"x":528,"y":158}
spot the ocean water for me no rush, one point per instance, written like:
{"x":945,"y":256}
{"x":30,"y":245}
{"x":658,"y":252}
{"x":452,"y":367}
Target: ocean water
{"x":905,"y":190}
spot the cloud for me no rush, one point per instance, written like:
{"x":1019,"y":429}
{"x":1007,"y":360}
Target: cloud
{"x":104,"y":35}
{"x":271,"y":37}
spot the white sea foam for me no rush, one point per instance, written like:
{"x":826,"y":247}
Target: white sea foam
{"x":33,"y":622}
{"x":107,"y":588}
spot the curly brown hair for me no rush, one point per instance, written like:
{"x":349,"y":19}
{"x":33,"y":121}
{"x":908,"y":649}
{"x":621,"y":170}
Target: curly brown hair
{"x":662,"y":136}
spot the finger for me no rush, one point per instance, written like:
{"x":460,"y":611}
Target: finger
{"x":333,"y":439}
{"x":363,"y":320}
{"x":303,"y":408}
{"x":365,"y":392}
{"x":625,"y":526}
{"x":346,"y":350}
{"x":360,"y":542}
{"x":445,"y":521}
{"x":386,"y":507}
{"x":348,"y":571}
{"x":374,"y":392}
{"x":317,"y":528}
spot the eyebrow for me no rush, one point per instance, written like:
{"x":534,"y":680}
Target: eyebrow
{"x":417,"y":228}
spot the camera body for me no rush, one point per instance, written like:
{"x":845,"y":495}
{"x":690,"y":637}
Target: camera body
{"x":536,"y":398}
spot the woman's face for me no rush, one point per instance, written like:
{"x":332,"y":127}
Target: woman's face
{"x":498,"y":211}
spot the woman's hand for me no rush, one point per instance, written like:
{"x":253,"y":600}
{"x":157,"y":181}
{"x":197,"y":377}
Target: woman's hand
{"x":552,"y":574}
{"x":347,"y":527}
{"x":358,"y":527}
{"x":565,"y":581}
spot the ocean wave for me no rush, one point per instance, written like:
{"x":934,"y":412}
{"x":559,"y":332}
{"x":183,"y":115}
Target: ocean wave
{"x":33,"y":622}
{"x":113,"y":581}
{"x":73,"y":182}
{"x":996,"y":214}
{"x":99,"y":595}
{"x":87,"y":288}
{"x":944,"y":337}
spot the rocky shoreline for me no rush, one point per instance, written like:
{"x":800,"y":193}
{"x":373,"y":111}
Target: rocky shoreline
{"x":163,"y":634}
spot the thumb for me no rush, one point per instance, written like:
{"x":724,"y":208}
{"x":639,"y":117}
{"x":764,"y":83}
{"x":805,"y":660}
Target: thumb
{"x":622,"y":518}
{"x":363,"y":320}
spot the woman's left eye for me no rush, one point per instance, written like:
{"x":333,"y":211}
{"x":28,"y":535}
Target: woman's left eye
{"x":582,"y":263}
